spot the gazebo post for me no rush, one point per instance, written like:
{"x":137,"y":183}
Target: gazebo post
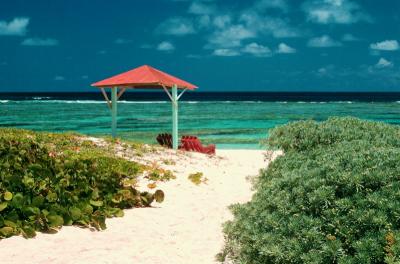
{"x":175,"y":117}
{"x":114,"y":111}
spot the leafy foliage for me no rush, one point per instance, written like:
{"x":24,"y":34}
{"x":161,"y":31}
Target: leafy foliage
{"x":50,"y":180}
{"x":334,"y":197}
{"x":156,"y":173}
{"x":305,"y":135}
{"x":197,"y":178}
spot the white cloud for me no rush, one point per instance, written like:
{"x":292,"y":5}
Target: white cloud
{"x":388,"y":45}
{"x":166,"y":46}
{"x":39,"y":42}
{"x":326,"y":71}
{"x":122,"y":41}
{"x":178,"y":26}
{"x":102,"y":52}
{"x":322,"y":70}
{"x":257,"y":50}
{"x":231,"y":29}
{"x":199,"y":8}
{"x":226,"y":52}
{"x":59,"y":78}
{"x":349,"y":37}
{"x":323,"y":42}
{"x":284,"y":48}
{"x":85,"y":77}
{"x":383,"y":63}
{"x":16,"y":27}
{"x":228,"y":30}
{"x":334,"y":11}
{"x":229,"y":37}
{"x":266,"y":25}
{"x":222,"y":21}
{"x":271,"y":4}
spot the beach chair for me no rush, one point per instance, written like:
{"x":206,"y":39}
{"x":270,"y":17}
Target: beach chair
{"x":165,"y":140}
{"x":192,"y":143}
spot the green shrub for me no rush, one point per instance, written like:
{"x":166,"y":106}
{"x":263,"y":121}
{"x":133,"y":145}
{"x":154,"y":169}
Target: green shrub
{"x":50,"y":180}
{"x":332,"y":198}
{"x":305,"y":135}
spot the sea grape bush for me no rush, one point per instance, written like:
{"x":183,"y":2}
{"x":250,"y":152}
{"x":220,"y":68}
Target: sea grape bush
{"x":333,"y":197}
{"x":50,"y":180}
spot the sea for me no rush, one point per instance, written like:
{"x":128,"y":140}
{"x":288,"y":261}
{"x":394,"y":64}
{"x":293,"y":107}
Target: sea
{"x":230,"y":120}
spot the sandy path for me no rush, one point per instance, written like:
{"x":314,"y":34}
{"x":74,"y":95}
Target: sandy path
{"x":186,"y":228}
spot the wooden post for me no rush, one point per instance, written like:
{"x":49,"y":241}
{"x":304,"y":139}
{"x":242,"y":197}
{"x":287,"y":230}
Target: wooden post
{"x":114,"y":111}
{"x":175,"y":117}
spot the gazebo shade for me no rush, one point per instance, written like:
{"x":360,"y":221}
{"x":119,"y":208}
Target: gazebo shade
{"x":144,"y":77}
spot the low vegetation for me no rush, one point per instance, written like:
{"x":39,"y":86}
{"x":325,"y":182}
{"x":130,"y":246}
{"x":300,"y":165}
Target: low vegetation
{"x":333,"y":197}
{"x":197,"y":178}
{"x":49,"y":180}
{"x":156,"y":173}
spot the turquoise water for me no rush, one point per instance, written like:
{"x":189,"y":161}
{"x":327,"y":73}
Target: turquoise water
{"x":229,"y":124}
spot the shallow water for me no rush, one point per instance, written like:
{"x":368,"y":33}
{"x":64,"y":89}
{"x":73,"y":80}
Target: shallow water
{"x":229,"y":124}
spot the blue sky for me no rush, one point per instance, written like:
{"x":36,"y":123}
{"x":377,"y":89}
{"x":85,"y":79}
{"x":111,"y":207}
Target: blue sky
{"x":260,"y":45}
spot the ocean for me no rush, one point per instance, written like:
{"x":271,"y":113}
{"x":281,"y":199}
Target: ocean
{"x":228,"y":119}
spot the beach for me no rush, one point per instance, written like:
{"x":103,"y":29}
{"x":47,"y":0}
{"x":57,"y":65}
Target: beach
{"x":185,"y":228}
{"x":199,"y":132}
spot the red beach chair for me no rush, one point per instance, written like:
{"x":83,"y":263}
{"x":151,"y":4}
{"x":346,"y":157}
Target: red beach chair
{"x":192,"y":143}
{"x":165,"y":140}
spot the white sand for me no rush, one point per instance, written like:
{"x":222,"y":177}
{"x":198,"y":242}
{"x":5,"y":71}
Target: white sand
{"x":186,"y":228}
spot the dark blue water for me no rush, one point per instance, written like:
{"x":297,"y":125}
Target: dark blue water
{"x":231,"y":120}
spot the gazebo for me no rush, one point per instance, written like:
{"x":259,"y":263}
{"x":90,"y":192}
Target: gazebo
{"x":144,"y":77}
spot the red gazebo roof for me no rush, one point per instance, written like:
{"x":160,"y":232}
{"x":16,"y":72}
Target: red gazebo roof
{"x":144,"y":77}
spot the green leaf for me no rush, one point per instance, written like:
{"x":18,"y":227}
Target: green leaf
{"x":99,"y":222}
{"x":28,"y":232}
{"x":75,"y":213}
{"x":10,"y":223}
{"x":3,"y":206}
{"x":28,"y":181}
{"x":119,"y":213}
{"x":38,"y":201}
{"x":159,"y":196}
{"x":87,"y":209}
{"x":117,"y":198}
{"x":55,"y":220}
{"x":51,"y":197}
{"x":35,"y":167}
{"x":147,"y":198}
{"x":96,"y":203}
{"x":7,"y":231}
{"x":95,"y":194}
{"x":8,"y":196}
{"x":68,"y":220}
{"x":18,"y":200}
{"x":31,"y":210}
{"x":45,"y":212}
